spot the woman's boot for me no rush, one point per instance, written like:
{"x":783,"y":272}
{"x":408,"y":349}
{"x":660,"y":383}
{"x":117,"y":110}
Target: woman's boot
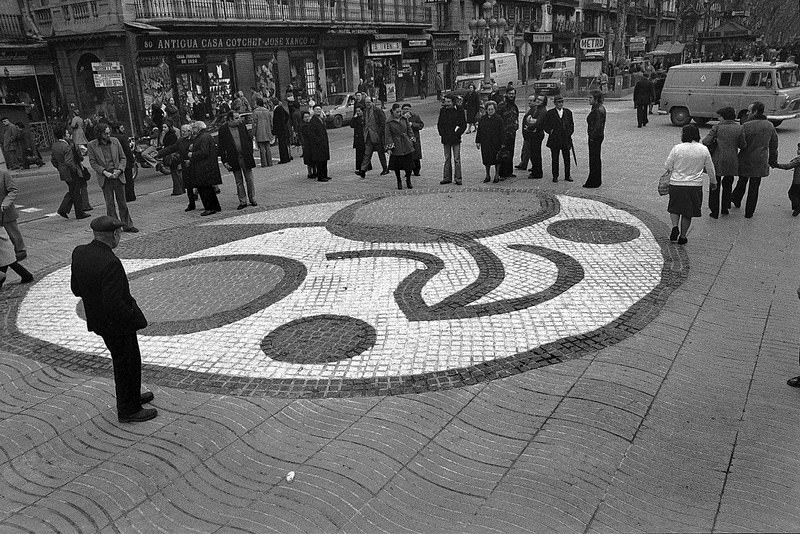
{"x":399,"y":182}
{"x":408,"y":181}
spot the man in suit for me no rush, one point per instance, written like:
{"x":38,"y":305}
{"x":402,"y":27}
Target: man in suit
{"x":107,"y":158}
{"x":644,"y":94}
{"x":756,"y":158}
{"x":99,"y":279}
{"x":533,"y":135}
{"x":11,"y":144}
{"x":236,"y":152}
{"x":62,"y":156}
{"x":8,"y":220}
{"x":281,"y":128}
{"x":509,"y":112}
{"x":374,"y":132}
{"x":560,"y":127}
{"x":262,"y":129}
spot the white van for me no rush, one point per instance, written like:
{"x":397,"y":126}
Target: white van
{"x":697,"y":90}
{"x":503,"y":69}
{"x":554,"y":72}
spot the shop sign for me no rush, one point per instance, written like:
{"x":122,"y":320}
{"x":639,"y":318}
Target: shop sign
{"x":539,"y":37}
{"x":417,"y":43}
{"x":385,"y":48}
{"x":188,"y":59}
{"x":592,"y":43}
{"x":17,"y":70}
{"x":108,"y":78}
{"x":105,"y":65}
{"x":637,"y":44}
{"x":149,"y":43}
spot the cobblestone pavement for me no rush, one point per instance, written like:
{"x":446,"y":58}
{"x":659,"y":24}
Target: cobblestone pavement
{"x":519,"y":357}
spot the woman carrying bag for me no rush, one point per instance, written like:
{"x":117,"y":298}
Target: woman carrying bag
{"x":686,"y":163}
{"x":488,"y":139}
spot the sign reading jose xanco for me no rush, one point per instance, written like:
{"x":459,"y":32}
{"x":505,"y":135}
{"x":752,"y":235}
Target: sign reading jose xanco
{"x":165,"y":43}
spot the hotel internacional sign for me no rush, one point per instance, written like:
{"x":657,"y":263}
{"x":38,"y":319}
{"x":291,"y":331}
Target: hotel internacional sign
{"x":167,"y":43}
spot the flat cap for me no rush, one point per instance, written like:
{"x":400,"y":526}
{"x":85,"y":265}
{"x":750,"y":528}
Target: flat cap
{"x":105,"y":223}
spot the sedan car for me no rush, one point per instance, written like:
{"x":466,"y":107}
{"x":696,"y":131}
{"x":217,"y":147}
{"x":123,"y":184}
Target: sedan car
{"x":339,"y":110}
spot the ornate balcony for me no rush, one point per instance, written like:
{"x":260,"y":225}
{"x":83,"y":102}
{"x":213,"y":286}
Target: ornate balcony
{"x":283,"y":11}
{"x":11,"y":28}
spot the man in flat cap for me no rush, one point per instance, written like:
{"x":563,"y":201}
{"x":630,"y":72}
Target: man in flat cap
{"x":99,"y":279}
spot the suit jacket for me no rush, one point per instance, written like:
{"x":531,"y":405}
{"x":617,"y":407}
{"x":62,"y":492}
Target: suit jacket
{"x":729,"y":137}
{"x":99,"y":279}
{"x":262,"y":124}
{"x":98,"y":160}
{"x":761,"y":150}
{"x":560,"y":130}
{"x":281,"y":121}
{"x":8,"y":193}
{"x":227,"y":147}
{"x":203,"y":165}
{"x":644,"y":92}
{"x":62,"y":156}
{"x":379,"y":119}
{"x":315,"y":138}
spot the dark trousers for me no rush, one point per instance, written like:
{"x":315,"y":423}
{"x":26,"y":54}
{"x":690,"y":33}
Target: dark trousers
{"x":322,"y":169}
{"x":507,"y":167}
{"x":359,"y":157}
{"x":191,"y":195}
{"x":554,"y":156}
{"x":595,"y":178}
{"x":209,"y":198}
{"x":127,"y":361}
{"x":130,"y":193}
{"x":524,"y":156}
{"x":72,"y":198}
{"x":725,"y":183}
{"x":534,"y":143}
{"x":369,"y":148}
{"x":417,"y":166}
{"x":752,"y":193}
{"x":283,"y":148}
{"x":17,"y":267}
{"x":114,"y":194}
{"x":794,"y":196}
{"x":641,"y":114}
{"x":177,"y":181}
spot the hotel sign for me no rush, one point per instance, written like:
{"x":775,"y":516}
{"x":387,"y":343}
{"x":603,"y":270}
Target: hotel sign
{"x":166,"y":43}
{"x":385,"y":48}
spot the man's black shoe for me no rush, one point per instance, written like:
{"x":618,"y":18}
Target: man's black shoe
{"x":145,"y":414}
{"x":384,"y":172}
{"x":131,"y":230}
{"x":146,"y":397}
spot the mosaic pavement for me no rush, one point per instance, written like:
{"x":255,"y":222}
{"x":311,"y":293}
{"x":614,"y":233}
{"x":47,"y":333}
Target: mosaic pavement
{"x":372,"y":296}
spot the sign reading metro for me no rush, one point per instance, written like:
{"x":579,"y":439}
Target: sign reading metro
{"x":149,"y":43}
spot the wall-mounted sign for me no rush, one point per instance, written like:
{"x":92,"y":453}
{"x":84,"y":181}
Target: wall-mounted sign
{"x":150,"y":43}
{"x":384,"y":48}
{"x":188,"y":59}
{"x":417,"y":42}
{"x":539,"y":37}
{"x":108,"y":79}
{"x":592,"y":43}
{"x":105,"y":65}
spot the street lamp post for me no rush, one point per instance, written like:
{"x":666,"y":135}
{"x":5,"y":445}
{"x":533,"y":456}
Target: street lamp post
{"x":487,"y":30}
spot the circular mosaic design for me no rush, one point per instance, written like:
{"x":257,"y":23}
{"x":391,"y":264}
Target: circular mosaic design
{"x":598,"y":231}
{"x":328,"y":298}
{"x":319,"y":339}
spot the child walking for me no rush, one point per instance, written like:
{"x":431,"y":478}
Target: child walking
{"x":794,"y":189}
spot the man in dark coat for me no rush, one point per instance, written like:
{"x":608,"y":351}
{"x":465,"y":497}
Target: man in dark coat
{"x":559,"y":126}
{"x":318,"y":145}
{"x":62,"y":156}
{"x":176,"y":157}
{"x":99,"y":279}
{"x":374,"y":132}
{"x":415,"y":121}
{"x":595,"y":129}
{"x":236,"y":152}
{"x":130,"y":161}
{"x":357,"y":124}
{"x":755,"y":159}
{"x":451,"y":126}
{"x":205,"y":168}
{"x":281,"y":128}
{"x":533,"y":135}
{"x":509,"y":112}
{"x":644,"y":94}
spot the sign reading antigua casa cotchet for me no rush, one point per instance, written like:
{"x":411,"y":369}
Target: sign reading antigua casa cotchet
{"x":164,"y":43}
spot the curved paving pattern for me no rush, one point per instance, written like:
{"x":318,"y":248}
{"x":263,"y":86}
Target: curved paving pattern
{"x":421,"y":301}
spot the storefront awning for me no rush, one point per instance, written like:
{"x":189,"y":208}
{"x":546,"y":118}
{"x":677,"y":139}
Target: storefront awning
{"x":26,"y":70}
{"x":668,"y":49}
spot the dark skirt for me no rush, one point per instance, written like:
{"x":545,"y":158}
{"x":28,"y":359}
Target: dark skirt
{"x":686,"y":200}
{"x":402,"y":163}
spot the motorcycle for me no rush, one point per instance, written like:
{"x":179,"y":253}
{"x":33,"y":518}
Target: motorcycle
{"x":136,"y":157}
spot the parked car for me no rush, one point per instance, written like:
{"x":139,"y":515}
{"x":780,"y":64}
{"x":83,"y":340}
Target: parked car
{"x":697,"y":90}
{"x":339,"y":110}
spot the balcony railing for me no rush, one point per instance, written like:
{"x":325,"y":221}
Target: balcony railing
{"x":11,"y":27}
{"x":322,"y":11}
{"x":44,"y":20}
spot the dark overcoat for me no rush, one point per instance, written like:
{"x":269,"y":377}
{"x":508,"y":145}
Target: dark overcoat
{"x":203,"y":164}
{"x":559,"y":130}
{"x":227,"y":148}
{"x":490,"y":137}
{"x":315,"y":141}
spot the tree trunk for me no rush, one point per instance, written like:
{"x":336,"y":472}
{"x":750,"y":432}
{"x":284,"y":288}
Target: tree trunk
{"x":659,"y":18}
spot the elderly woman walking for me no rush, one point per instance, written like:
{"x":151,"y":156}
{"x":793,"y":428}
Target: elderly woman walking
{"x":724,"y":142}
{"x":400,"y":145}
{"x":489,"y":138}
{"x":687,"y":161}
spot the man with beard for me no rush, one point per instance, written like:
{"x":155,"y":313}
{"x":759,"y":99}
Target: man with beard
{"x":509,"y":112}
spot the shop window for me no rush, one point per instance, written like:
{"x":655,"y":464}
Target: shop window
{"x":267,"y":81}
{"x":220,"y":87}
{"x":335,"y":73}
{"x":191,"y":96}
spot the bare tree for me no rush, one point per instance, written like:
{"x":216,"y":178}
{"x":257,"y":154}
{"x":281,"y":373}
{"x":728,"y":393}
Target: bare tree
{"x":619,"y":34}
